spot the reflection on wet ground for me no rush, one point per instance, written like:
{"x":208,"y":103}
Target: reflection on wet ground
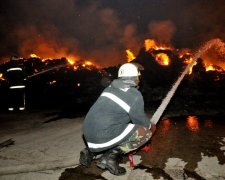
{"x":187,"y":138}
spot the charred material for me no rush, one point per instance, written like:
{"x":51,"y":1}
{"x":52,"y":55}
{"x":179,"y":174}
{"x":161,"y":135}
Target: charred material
{"x":72,"y":89}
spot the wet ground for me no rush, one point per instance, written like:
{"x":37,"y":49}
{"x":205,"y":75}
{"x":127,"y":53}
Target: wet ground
{"x":46,"y":146}
{"x":188,"y":143}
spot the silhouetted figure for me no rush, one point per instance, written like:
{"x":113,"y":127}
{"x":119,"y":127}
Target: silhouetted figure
{"x":16,"y":85}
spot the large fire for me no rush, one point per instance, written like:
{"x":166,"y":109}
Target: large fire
{"x":157,"y":50}
{"x":150,"y":44}
{"x":71,"y":60}
{"x":161,"y":57}
{"x":184,"y":54}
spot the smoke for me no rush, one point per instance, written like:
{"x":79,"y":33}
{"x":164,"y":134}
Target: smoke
{"x":131,"y":39}
{"x":162,"y":31}
{"x":36,"y":27}
{"x":215,"y":55}
{"x":103,"y":30}
{"x":45,"y":44}
{"x":200,"y":22}
{"x":109,"y":36}
{"x":85,"y":31}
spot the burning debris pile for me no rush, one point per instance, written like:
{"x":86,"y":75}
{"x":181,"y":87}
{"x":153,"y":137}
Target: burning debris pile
{"x":58,"y":83}
{"x":201,"y":89}
{"x":74,"y":85}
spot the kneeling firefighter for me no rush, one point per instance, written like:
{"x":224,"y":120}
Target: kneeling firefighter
{"x":116,"y":124}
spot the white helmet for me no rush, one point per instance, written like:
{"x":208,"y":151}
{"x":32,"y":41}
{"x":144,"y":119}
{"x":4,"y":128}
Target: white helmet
{"x":128,"y":70}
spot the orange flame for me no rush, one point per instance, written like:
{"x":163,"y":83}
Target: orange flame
{"x":162,"y":59}
{"x":130,"y":56}
{"x":75,"y":68}
{"x":1,"y":77}
{"x":187,"y":60}
{"x":71,"y":61}
{"x":184,"y":53}
{"x":34,"y":55}
{"x":210,"y":68}
{"x":190,"y":70}
{"x":87,"y":63}
{"x":152,"y":44}
{"x":52,"y":82}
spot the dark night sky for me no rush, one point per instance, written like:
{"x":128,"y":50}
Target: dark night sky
{"x":102,"y":30}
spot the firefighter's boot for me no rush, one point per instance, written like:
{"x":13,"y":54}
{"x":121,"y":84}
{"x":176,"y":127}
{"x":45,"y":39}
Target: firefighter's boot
{"x":110,"y":161}
{"x":86,"y":156}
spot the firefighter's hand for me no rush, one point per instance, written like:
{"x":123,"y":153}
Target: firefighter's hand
{"x":153,"y":128}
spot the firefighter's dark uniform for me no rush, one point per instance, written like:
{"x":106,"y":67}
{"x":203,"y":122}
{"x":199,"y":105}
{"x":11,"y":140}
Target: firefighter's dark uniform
{"x":16,"y":86}
{"x":116,"y":124}
{"x":116,"y":115}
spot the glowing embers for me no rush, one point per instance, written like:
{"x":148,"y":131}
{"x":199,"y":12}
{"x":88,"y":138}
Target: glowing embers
{"x":70,"y":59}
{"x":1,"y":77}
{"x":78,"y":85}
{"x":52,"y":82}
{"x":192,"y":123}
{"x":87,"y":63}
{"x":34,"y":55}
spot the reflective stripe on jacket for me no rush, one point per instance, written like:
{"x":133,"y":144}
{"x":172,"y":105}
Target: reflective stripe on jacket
{"x":113,"y":118}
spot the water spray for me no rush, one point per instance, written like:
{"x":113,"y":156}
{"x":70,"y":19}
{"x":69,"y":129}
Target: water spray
{"x":47,"y":70}
{"x":158,"y":113}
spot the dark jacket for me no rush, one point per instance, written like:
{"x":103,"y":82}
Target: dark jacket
{"x":15,"y":75}
{"x":114,"y":117}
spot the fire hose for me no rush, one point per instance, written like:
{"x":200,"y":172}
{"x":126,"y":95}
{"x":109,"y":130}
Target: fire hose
{"x":158,"y":113}
{"x":47,"y":70}
{"x":24,"y":168}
